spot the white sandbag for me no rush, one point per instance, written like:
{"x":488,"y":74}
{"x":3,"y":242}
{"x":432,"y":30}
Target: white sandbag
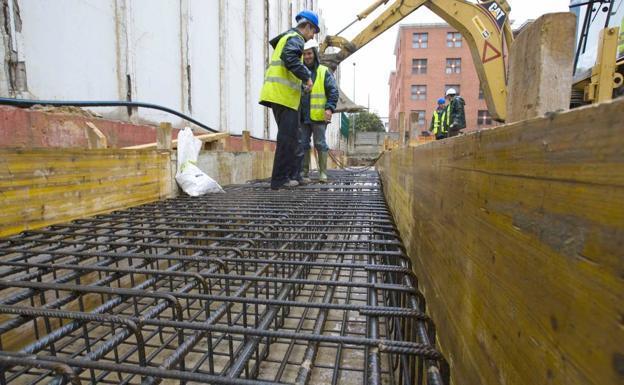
{"x":188,"y":147}
{"x":190,"y":178}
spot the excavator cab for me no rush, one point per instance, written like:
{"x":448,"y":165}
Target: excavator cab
{"x":599,"y":55}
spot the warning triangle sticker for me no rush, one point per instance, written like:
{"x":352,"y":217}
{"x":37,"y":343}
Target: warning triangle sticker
{"x":489,"y":56}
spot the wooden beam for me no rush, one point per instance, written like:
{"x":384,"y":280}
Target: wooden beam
{"x":401,"y":128}
{"x":206,"y":138}
{"x":95,"y":137}
{"x":246,"y":141}
{"x":163,"y":136}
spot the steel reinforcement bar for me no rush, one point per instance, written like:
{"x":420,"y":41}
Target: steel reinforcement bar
{"x":302,"y":286}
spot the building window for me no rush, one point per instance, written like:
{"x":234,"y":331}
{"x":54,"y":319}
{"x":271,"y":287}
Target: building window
{"x":420,"y":40}
{"x":453,"y":40}
{"x":455,"y":86}
{"x":419,"y":92}
{"x":481,"y":96}
{"x":453,"y":66}
{"x":419,"y":66}
{"x":484,"y":118}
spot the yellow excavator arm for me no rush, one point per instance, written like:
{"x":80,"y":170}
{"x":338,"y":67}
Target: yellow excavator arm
{"x":484,"y":26}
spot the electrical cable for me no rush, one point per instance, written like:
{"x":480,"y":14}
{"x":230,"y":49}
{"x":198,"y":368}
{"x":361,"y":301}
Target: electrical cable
{"x":27,"y":103}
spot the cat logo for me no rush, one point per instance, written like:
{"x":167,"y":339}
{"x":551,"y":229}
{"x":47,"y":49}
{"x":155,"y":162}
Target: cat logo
{"x":496,"y":12}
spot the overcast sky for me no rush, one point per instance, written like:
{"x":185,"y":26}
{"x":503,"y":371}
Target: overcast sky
{"x":375,"y":60}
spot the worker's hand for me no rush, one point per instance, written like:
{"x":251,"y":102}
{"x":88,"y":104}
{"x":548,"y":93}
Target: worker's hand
{"x":308,"y":86}
{"x":328,"y":115}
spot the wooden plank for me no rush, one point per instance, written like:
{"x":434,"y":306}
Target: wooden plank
{"x":163,"y":136}
{"x":246,"y":141}
{"x":401,"y":128}
{"x":39,"y":187}
{"x":95,"y":137}
{"x":517,"y":237}
{"x":206,"y":138}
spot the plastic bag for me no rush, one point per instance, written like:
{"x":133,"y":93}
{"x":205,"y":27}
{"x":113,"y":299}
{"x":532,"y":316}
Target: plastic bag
{"x":190,"y":178}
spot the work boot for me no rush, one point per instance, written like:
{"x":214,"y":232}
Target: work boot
{"x":306,"y":168}
{"x":322,"y":160}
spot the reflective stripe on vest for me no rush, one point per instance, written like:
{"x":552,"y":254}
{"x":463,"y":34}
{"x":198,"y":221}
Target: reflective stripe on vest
{"x":318,"y":100}
{"x":280,"y":85}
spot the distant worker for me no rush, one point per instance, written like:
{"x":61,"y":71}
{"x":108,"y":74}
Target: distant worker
{"x":317,"y":108}
{"x":281,"y":92}
{"x":455,"y":111}
{"x":439,"y":121}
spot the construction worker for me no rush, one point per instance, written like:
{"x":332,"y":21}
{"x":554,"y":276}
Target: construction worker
{"x":455,"y":111}
{"x":281,"y":92}
{"x":439,"y":120}
{"x":316,"y":109}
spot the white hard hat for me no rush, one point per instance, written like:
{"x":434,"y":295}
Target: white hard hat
{"x":451,"y":91}
{"x":312,"y":43}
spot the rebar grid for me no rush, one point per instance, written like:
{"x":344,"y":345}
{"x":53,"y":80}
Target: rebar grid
{"x":309,"y":285}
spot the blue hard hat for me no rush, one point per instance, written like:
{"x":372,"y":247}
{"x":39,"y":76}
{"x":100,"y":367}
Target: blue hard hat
{"x":441,"y":101}
{"x":310,"y":16}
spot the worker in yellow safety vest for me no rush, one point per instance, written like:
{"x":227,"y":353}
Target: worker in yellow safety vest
{"x":316,"y":111}
{"x":440,"y":121}
{"x":281,"y":91}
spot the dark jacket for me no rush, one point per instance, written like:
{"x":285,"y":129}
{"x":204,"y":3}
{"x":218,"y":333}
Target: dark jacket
{"x":458,"y":115}
{"x":331,"y":92}
{"x":291,"y":55}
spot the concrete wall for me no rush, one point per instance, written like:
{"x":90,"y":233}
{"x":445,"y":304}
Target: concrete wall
{"x":64,"y":128}
{"x":236,"y":167}
{"x":204,"y":58}
{"x":517,"y":238}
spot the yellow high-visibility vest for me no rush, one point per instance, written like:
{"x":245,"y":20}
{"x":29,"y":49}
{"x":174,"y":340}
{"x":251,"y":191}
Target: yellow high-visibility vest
{"x":439,"y":124}
{"x":318,"y":99}
{"x":280,"y":85}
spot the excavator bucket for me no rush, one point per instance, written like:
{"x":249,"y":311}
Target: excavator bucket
{"x":347,"y":105}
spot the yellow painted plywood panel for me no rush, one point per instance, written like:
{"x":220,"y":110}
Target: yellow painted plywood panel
{"x":517,"y":237}
{"x":39,"y":187}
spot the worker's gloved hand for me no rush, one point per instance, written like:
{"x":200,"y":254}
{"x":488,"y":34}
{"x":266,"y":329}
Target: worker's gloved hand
{"x":328,"y":115}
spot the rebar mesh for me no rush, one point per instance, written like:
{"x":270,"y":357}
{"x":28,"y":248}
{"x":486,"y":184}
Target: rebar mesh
{"x":309,"y":285}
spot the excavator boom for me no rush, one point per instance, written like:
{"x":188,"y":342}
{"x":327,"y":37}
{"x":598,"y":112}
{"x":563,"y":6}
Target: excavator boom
{"x":484,"y":26}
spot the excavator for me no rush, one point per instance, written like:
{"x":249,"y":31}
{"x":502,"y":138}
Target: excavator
{"x":486,"y":28}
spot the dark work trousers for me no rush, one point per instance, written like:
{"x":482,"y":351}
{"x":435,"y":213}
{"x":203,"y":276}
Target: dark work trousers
{"x":288,"y":149}
{"x":297,"y":171}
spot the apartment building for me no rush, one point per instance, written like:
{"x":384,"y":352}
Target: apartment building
{"x":431,"y":58}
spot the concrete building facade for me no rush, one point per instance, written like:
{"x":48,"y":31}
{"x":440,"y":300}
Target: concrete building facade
{"x":203,"y":58}
{"x":430,"y":58}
